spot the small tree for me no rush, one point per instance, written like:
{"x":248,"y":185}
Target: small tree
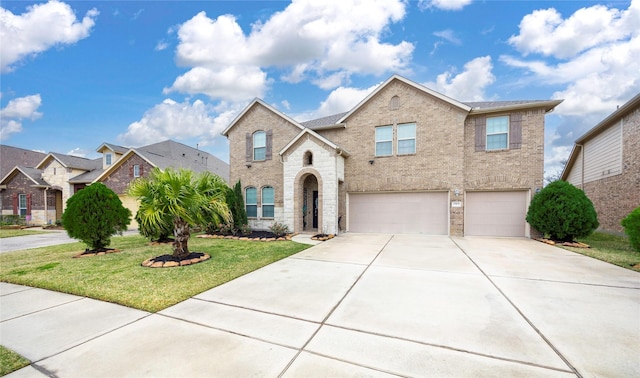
{"x":94,"y":214}
{"x":562,"y":211}
{"x":158,"y":232}
{"x":631,"y":226}
{"x":187,"y":199}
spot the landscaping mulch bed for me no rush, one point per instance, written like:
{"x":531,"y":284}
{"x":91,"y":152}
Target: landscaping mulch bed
{"x":93,"y":252}
{"x":254,"y":235}
{"x":168,"y":261}
{"x":566,"y":244}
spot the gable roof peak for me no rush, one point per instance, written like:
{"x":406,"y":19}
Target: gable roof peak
{"x":258,"y":101}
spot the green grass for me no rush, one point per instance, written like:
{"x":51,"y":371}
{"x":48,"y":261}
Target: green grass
{"x":8,"y":233}
{"x":10,"y":361}
{"x":119,"y":277}
{"x":614,"y":249}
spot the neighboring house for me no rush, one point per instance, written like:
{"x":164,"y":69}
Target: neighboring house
{"x":40,"y":193}
{"x":605,"y":164}
{"x":406,"y":159}
{"x":11,"y":157}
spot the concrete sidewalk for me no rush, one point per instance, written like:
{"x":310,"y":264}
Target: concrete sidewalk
{"x":356,"y":305}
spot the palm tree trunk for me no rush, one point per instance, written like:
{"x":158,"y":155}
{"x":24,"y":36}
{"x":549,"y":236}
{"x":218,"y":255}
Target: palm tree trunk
{"x":181,"y":237}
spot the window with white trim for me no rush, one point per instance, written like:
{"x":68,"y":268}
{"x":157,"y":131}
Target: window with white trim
{"x":251,"y":202}
{"x":136,"y":170}
{"x":259,"y":145}
{"x":406,"y":139}
{"x":267,"y":202}
{"x":107,"y":159}
{"x":22,"y":204}
{"x":384,"y":141}
{"x":497,"y":133}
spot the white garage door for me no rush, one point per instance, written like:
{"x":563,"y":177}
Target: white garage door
{"x":495,"y":213}
{"x":399,"y":213}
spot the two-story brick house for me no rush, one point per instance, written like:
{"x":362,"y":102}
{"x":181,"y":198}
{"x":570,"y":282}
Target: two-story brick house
{"x":406,"y":159}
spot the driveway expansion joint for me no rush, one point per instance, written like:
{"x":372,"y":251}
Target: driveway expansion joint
{"x":564,"y":282}
{"x":538,"y":331}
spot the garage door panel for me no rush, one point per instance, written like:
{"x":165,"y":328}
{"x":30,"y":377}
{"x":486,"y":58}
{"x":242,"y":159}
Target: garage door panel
{"x":406,"y":213}
{"x":495,"y":213}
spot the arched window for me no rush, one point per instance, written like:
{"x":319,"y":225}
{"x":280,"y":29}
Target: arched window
{"x":308,"y":158}
{"x":251,"y":202}
{"x":267,"y":202}
{"x":259,"y":145}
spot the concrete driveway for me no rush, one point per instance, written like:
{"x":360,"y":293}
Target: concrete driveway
{"x":357,"y":305}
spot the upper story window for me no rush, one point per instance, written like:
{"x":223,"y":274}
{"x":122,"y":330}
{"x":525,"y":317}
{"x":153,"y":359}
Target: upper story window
{"x":407,"y":139}
{"x":384,"y":141}
{"x":267,"y":202}
{"x":136,"y":170}
{"x":107,"y":159}
{"x":307,"y":159}
{"x":498,"y":133}
{"x":251,"y":202}
{"x":259,"y":145}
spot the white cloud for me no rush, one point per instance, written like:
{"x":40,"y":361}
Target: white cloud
{"x":179,"y":120}
{"x":443,"y":4}
{"x":599,"y":68}
{"x":546,"y":32}
{"x":40,"y":28}
{"x":325,"y":42}
{"x":468,"y":85}
{"x":448,"y":35}
{"x":80,"y":152}
{"x":161,"y":45}
{"x":16,"y":110}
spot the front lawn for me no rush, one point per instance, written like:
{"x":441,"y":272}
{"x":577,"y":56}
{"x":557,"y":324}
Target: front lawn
{"x":614,"y":249}
{"x":10,"y":361}
{"x":119,"y":277}
{"x":10,"y":232}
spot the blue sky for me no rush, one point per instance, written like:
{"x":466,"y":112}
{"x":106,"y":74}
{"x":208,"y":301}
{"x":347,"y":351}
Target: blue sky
{"x":76,"y":74}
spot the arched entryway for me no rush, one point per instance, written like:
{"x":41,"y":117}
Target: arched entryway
{"x":308,"y":201}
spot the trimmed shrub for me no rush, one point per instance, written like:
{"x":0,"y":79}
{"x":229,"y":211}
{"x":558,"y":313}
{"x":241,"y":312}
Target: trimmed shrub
{"x":562,"y":212}
{"x":279,"y":229}
{"x":631,"y":226}
{"x":94,"y":214}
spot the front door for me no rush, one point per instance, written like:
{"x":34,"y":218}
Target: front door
{"x":315,"y":209}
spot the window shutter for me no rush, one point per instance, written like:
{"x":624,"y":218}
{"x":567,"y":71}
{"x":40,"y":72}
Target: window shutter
{"x":141,"y":170}
{"x":131,"y":170}
{"x":249,"y":148}
{"x":515,"y":130}
{"x":481,"y":137}
{"x":14,"y":200}
{"x":29,"y":204}
{"x":269,"y":145}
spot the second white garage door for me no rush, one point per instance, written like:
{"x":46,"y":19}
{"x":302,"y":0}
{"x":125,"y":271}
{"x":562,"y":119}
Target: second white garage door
{"x":496,"y":213}
{"x":399,"y":213}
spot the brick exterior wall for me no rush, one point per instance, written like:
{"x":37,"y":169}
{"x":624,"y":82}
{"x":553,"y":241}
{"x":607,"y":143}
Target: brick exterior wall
{"x":615,"y":197}
{"x":21,"y":184}
{"x":261,"y":173}
{"x":119,"y":179}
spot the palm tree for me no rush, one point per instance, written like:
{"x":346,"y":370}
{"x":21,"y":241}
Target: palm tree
{"x":182,"y":198}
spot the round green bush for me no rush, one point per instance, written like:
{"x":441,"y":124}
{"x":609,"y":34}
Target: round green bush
{"x":631,"y":226}
{"x":94,"y":214}
{"x":563,"y":212}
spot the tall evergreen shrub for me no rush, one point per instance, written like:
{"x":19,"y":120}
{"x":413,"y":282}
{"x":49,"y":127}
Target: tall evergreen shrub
{"x":94,"y":214}
{"x":563,"y":212}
